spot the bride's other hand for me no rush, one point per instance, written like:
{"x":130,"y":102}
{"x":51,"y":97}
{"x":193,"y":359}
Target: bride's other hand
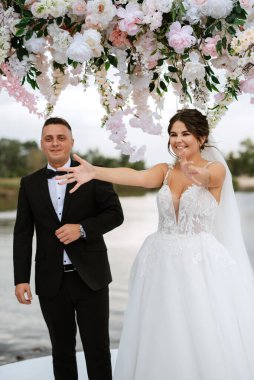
{"x":192,"y":172}
{"x":81,"y":174}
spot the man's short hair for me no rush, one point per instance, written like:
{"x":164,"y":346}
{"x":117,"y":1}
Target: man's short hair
{"x":57,"y":120}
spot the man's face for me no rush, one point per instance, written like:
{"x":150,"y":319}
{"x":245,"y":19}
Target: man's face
{"x":56,"y":144}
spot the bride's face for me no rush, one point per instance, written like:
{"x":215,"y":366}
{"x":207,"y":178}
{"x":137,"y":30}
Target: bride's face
{"x":182,"y":140}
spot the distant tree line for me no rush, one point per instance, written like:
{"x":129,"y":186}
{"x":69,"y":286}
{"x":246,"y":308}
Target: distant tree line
{"x":21,"y":158}
{"x":242,"y":162}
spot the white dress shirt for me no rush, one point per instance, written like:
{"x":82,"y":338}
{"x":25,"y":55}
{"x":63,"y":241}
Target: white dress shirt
{"x":57,"y":194}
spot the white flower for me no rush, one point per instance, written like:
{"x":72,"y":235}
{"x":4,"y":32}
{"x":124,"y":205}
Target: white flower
{"x":58,"y":8}
{"x":4,"y":43}
{"x":79,"y":7}
{"x":35,"y":45}
{"x":93,"y":39}
{"x":79,"y":51}
{"x":61,"y":41}
{"x":194,"y":70}
{"x":100,"y":13}
{"x":40,"y":10}
{"x":151,"y":6}
{"x":217,"y":8}
{"x":213,"y":8}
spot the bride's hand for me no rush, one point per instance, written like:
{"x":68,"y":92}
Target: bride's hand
{"x":81,"y":174}
{"x":191,"y":171}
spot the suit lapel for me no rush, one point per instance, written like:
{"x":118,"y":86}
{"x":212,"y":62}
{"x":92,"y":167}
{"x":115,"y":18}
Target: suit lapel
{"x":45,"y":196}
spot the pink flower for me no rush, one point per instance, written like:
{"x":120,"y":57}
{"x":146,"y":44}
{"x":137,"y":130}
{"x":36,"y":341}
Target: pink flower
{"x":119,"y":38}
{"x":180,"y":38}
{"x":252,"y":100}
{"x":247,"y":86}
{"x":209,"y":47}
{"x":199,"y":2}
{"x":15,"y":89}
{"x":219,"y":97}
{"x":246,"y":3}
{"x":79,"y":7}
{"x":131,"y":17}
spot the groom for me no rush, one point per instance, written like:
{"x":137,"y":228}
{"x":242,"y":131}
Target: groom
{"x":72,"y":271}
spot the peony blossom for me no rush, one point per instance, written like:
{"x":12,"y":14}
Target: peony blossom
{"x":131,"y":17}
{"x":209,"y":46}
{"x":194,"y":70}
{"x":78,"y":50}
{"x":100,"y":13}
{"x":35,"y":45}
{"x":79,"y":7}
{"x":119,"y":38}
{"x":199,"y":2}
{"x":180,"y":38}
{"x":247,"y":4}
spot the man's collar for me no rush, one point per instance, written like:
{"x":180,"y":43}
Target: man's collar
{"x":68,"y":164}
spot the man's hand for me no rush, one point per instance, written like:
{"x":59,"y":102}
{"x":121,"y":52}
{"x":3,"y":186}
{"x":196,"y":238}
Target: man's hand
{"x":68,"y":233}
{"x":23,"y":293}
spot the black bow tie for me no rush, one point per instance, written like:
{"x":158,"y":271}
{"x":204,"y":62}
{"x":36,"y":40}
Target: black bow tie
{"x":52,"y":173}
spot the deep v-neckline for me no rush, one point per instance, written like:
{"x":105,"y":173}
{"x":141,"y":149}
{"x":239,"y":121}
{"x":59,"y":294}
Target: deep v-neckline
{"x":186,"y":191}
{"x":177,"y":212}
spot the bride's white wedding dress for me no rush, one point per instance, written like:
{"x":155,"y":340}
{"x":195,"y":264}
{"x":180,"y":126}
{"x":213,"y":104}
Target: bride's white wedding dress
{"x":190,"y":314}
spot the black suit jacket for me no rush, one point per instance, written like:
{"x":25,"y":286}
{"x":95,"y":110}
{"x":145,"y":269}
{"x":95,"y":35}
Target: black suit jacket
{"x":95,"y":205}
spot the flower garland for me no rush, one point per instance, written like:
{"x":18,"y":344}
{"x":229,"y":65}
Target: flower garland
{"x":135,"y":50}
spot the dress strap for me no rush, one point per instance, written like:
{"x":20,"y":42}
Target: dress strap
{"x":208,"y":164}
{"x":170,"y":168}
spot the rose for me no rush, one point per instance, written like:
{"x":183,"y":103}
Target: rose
{"x":130,"y":16}
{"x":78,"y":50}
{"x":79,"y":7}
{"x":93,"y":39}
{"x":209,"y":46}
{"x":180,"y":38}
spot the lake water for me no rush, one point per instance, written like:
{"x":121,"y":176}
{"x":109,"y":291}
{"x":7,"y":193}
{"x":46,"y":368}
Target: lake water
{"x":23,"y":333}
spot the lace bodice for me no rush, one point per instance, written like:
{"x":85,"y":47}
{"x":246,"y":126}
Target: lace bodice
{"x":196,"y":211}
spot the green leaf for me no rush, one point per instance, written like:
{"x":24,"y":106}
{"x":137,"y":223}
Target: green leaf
{"x":158,"y":91}
{"x":224,"y":42}
{"x":219,"y":25}
{"x":215,"y":79}
{"x":28,"y":35}
{"x":166,"y":78}
{"x":163,"y":86}
{"x":231,"y":30}
{"x":155,"y":75}
{"x":208,"y":85}
{"x":172,"y":69}
{"x":113,"y":60}
{"x":20,"y":32}
{"x":151,"y":86}
{"x":219,"y":47}
{"x":107,"y":65}
{"x":59,"y":21}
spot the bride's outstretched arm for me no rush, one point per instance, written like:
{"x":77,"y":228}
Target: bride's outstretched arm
{"x":85,"y":172}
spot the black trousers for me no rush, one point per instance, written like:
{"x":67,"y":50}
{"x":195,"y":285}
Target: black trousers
{"x":76,"y":304}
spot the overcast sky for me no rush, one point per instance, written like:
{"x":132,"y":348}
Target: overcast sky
{"x":83,"y":112}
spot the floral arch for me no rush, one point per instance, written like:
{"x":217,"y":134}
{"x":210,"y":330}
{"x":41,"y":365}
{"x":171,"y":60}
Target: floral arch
{"x":134,"y":51}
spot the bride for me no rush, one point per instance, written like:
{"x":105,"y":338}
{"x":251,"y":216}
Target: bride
{"x":190,"y":314}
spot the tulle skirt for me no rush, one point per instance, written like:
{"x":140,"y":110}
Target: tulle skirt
{"x":190,"y":314}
